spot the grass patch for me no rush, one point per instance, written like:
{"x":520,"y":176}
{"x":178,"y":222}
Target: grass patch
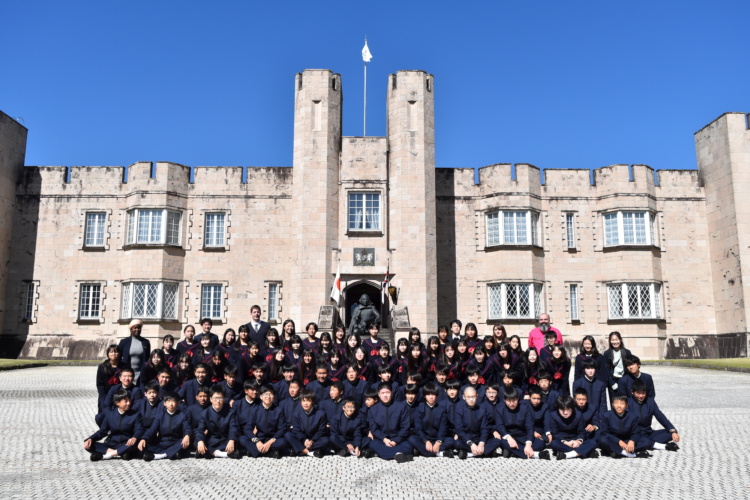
{"x":14,"y":364}
{"x":718,"y":364}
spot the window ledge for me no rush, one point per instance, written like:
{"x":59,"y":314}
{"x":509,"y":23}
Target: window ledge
{"x":94,"y":249}
{"x":366,"y":234}
{"x":133,"y":246}
{"x":617,"y":248}
{"x":502,"y":246}
{"x":215,"y":249}
{"x":90,"y":321}
{"x":621,"y":321}
{"x":153,"y":321}
{"x":514,"y":321}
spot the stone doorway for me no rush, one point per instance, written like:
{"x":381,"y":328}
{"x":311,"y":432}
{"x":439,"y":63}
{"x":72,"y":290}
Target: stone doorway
{"x":353,"y":292}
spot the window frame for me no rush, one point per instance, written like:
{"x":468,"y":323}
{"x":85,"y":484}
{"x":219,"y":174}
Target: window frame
{"x":534,"y":296}
{"x":574,"y":301}
{"x":350,"y":227}
{"x":273,"y":302}
{"x":210,"y":235}
{"x":624,"y":290}
{"x":169,"y":222}
{"x":206,"y":313}
{"x":81,"y":297}
{"x":570,"y":230}
{"x":495,"y":227}
{"x":162,"y":288}
{"x":99,"y":230}
{"x":619,"y":230}
{"x":29,"y":298}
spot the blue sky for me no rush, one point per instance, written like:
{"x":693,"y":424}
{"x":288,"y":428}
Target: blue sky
{"x":578,"y":84}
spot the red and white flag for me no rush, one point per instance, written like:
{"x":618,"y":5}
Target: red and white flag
{"x":336,"y":290}
{"x":384,"y":285}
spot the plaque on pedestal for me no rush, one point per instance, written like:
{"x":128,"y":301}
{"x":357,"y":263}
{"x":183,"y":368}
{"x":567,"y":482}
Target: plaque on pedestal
{"x":328,"y":317}
{"x":401,"y":318}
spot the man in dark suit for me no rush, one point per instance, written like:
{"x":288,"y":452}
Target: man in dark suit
{"x":256,"y":327}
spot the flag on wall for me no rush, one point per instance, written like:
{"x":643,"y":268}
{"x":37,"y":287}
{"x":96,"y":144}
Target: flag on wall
{"x":384,"y":285}
{"x":366,"y":56}
{"x":336,"y":290}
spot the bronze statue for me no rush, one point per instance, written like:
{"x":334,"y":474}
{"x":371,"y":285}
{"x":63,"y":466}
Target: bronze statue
{"x":364,"y":315}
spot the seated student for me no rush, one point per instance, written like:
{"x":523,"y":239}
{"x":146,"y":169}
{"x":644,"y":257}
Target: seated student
{"x":470,"y":426}
{"x":486,"y":368}
{"x":166,"y":382}
{"x":411,"y":398}
{"x":206,"y":325}
{"x":332,"y":404}
{"x":127,"y":375}
{"x":107,"y":373}
{"x":633,"y":367}
{"x":565,"y":431}
{"x":451,"y":403}
{"x":169,"y":434}
{"x":589,"y":351}
{"x":618,"y":436}
{"x":386,"y":375}
{"x":472,"y":380}
{"x":152,"y":367}
{"x":596,"y":390}
{"x":264,"y":433}
{"x":122,"y":425}
{"x":645,"y":409}
{"x":388,"y":422}
{"x":311,"y":342}
{"x":189,"y":389}
{"x":188,"y":345}
{"x":150,"y":407}
{"x":370,"y":399}
{"x":309,"y":435}
{"x":291,"y":402}
{"x":491,"y":400}
{"x":412,"y":378}
{"x":589,"y":413}
{"x":195,"y":410}
{"x":348,"y":430}
{"x":430,"y":437}
{"x":244,"y":407}
{"x":217,"y":432}
{"x":289,"y":372}
{"x":514,"y":429}
{"x":441,"y":376}
{"x":321,"y":383}
{"x":232,"y":388}
{"x":354,"y":387}
{"x":170,"y":353}
{"x":549,"y":396}
{"x":538,"y":411}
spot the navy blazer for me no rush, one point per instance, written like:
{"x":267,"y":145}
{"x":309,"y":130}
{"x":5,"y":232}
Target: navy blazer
{"x":626,"y":384}
{"x":216,"y":427}
{"x":620,"y":427}
{"x":519,"y":423}
{"x":644,"y":414}
{"x":391,"y":421}
{"x":120,"y":427}
{"x":189,"y":390}
{"x":135,"y":394}
{"x":348,"y":429}
{"x":169,"y":428}
{"x":148,"y":412}
{"x":431,"y":422}
{"x":125,"y":349}
{"x":471,"y":423}
{"x":597,"y":393}
{"x":566,"y":429}
{"x":312,"y":426}
{"x":267,"y":422}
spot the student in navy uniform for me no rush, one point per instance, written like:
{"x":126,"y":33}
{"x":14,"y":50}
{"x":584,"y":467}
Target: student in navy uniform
{"x":196,"y":410}
{"x":451,"y":402}
{"x":455,"y":333}
{"x":311,"y":342}
{"x":590,"y":414}
{"x":513,"y":430}
{"x":320,"y":386}
{"x":307,"y":366}
{"x":188,"y":345}
{"x":309,"y":435}
{"x":370,"y":399}
{"x":472,"y":380}
{"x":245,"y":406}
{"x":615,"y":357}
{"x":249,"y":359}
{"x":165,"y":381}
{"x":226,"y":347}
{"x":485,"y":367}
{"x":645,"y":410}
{"x":504,"y":359}
{"x":596,"y":390}
{"x":386,"y":375}
{"x":508,"y":379}
{"x":430,"y":437}
{"x":108,"y":374}
{"x":124,"y":428}
{"x":135,"y":349}
{"x":150,"y":407}
{"x":170,"y":353}
{"x":290,"y":372}
{"x":291,"y":402}
{"x":204,"y":352}
{"x":169,"y":434}
{"x":325,"y":348}
{"x":347,"y":431}
{"x":332,"y":404}
{"x":491,"y":400}
{"x":294,"y":351}
{"x":559,"y":368}
{"x":206,"y":325}
{"x":189,"y":389}
{"x":354,"y":387}
{"x":217,"y":432}
{"x":566,"y":431}
{"x":589,"y":351}
{"x":441,"y":377}
{"x":371,"y":345}
{"x":529,"y":368}
{"x":231,"y":385}
{"x":264,"y":434}
{"x":382,"y":360}
{"x":618,"y":436}
{"x":412,"y":400}
{"x":550,"y":340}
{"x":388,"y":422}
{"x":336,"y":366}
{"x":183,"y":370}
{"x":539,"y":412}
{"x":259,"y":373}
{"x":127,"y":383}
{"x":470,"y":426}
{"x":633,"y":367}
{"x":549,"y":396}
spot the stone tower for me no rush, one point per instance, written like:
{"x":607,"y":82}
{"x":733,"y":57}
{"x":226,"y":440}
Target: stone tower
{"x":411,"y":211}
{"x":315,"y":225}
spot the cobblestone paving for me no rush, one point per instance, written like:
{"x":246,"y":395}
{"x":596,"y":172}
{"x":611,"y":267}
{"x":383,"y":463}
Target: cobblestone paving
{"x":47,"y":412}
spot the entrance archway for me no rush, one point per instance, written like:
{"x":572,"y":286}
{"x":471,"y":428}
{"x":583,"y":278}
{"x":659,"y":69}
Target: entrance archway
{"x":353,"y":292}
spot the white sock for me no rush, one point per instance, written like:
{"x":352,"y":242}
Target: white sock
{"x":220,"y":454}
{"x":440,"y":454}
{"x":660,"y":446}
{"x":536,"y":454}
{"x":106,"y":456}
{"x":310,"y":453}
{"x":352,"y":453}
{"x":629,"y":455}
{"x":160,"y":456}
{"x":469,"y":455}
{"x":571,"y":454}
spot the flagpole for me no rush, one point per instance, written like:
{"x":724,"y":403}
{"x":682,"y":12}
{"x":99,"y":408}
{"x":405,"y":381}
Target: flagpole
{"x":364,"y":126}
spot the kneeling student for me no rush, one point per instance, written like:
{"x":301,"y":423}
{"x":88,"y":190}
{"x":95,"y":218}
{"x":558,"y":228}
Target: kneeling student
{"x":169,"y":434}
{"x":123,"y":425}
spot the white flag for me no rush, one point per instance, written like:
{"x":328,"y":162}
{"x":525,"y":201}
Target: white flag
{"x":336,"y":289}
{"x":366,"y":56}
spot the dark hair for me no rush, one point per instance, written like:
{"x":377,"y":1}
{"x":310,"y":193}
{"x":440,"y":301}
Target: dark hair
{"x":338,"y":385}
{"x":543,"y":376}
{"x":250,"y":383}
{"x":266,"y":388}
{"x":564,"y":403}
{"x":260,"y":365}
{"x":127,"y":369}
{"x":203,"y":388}
{"x":348,"y":399}
{"x":201,"y":365}
{"x":411,"y":389}
{"x":217,"y":389}
{"x":151,"y":386}
{"x":510,"y":393}
{"x":639,"y":385}
{"x":534,"y":390}
{"x":594,"y":350}
{"x":561,"y":359}
{"x":401,"y":342}
{"x":383,"y":369}
{"x":120,"y":395}
{"x":289,"y":368}
{"x":224,"y":338}
{"x":588,"y":363}
{"x":453,"y":383}
{"x":430,"y":389}
{"x":443,"y":328}
{"x":385,"y":385}
{"x":164,"y":369}
{"x":492,"y":385}
{"x":277,"y":343}
{"x":443,"y":369}
{"x":581,"y":391}
{"x":307,"y":394}
{"x":617,"y":334}
{"x":286,"y":322}
{"x":312,"y":323}
{"x":619,"y":397}
{"x":231,"y":370}
{"x":321,"y":366}
{"x":456,"y":322}
{"x":168,"y":337}
{"x":171,"y":395}
{"x":416,"y":376}
{"x":206,"y":320}
{"x":632,"y":360}
{"x":471,"y":370}
{"x":474,"y":327}
{"x":371,"y":394}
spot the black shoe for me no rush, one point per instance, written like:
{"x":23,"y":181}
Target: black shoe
{"x":672,"y":446}
{"x":183,"y":453}
{"x":128,"y":455}
{"x":506,"y":453}
{"x":208,"y":455}
{"x":96,"y":456}
{"x":593,"y":454}
{"x":448,"y":453}
{"x":415,"y":452}
{"x":544,"y":455}
{"x":643,"y":454}
{"x":275,"y":454}
{"x":462,"y":454}
{"x":236,"y":455}
{"x":615,"y":454}
{"x":342,"y":453}
{"x":401,"y":458}
{"x":560,"y":455}
{"x":318,"y":454}
{"x":148,"y":456}
{"x":368,"y":453}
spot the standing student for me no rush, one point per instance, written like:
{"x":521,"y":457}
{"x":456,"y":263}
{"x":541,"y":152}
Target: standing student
{"x":204,"y":352}
{"x":472,"y":337}
{"x":415,"y":337}
{"x":596,"y":390}
{"x":108,"y":374}
{"x":226,"y":346}
{"x":288,"y":331}
{"x":388,"y":422}
{"x":383,"y":359}
{"x":272,"y":345}
{"x":336,"y":366}
{"x":206,"y":325}
{"x":559,"y":367}
{"x":339,"y":338}
{"x":589,"y":351}
{"x":170,"y":353}
{"x":615,"y":358}
{"x":311,"y":342}
{"x":217,"y":432}
{"x":455,"y":331}
{"x":124,"y":428}
{"x":633,"y":367}
{"x":443,"y":336}
{"x":189,"y":389}
{"x":243,"y":339}
{"x":529,"y":368}
{"x":372,"y":344}
{"x":325,"y":348}
{"x":499,"y":334}
{"x":414,"y":363}
{"x":188,"y":344}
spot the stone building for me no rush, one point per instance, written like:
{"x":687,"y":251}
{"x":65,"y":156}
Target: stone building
{"x":655,"y":255}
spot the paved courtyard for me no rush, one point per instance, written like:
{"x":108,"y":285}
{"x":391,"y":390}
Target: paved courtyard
{"x":47,"y":413}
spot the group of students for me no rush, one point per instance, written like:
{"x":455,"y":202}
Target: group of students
{"x":457,"y":395}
